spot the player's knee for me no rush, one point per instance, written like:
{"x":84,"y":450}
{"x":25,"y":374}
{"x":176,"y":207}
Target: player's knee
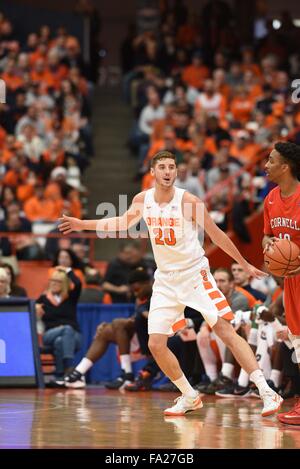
{"x":156,"y":345}
{"x":225,"y":332}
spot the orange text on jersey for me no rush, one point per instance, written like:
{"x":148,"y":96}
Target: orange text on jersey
{"x":160,"y":221}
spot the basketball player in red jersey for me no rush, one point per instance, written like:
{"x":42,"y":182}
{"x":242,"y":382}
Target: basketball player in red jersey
{"x":174,"y":217}
{"x":282,"y":221}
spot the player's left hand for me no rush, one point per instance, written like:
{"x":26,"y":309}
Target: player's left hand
{"x":254,"y":272}
{"x":294,"y":272}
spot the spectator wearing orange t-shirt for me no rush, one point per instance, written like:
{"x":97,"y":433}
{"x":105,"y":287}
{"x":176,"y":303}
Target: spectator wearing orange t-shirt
{"x":38,"y":208}
{"x":195,"y":74}
{"x":241,"y":106}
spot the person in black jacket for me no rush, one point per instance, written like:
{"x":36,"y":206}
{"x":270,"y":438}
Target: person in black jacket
{"x":57,"y":309}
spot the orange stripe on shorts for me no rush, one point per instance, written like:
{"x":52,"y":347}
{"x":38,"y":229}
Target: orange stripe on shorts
{"x":221,"y":305}
{"x":207,"y":285}
{"x":228,"y":316}
{"x":215,"y":294}
{"x":179,"y":325}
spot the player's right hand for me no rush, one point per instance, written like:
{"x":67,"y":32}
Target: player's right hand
{"x":69,"y":224}
{"x":270,"y":243}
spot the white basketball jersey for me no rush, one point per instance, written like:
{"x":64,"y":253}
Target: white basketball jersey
{"x":174,"y":239}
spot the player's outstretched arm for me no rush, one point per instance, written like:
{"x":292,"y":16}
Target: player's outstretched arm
{"x":201,"y":216}
{"x":130,"y":218}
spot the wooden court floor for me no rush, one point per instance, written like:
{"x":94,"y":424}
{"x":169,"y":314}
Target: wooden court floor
{"x":98,"y":418}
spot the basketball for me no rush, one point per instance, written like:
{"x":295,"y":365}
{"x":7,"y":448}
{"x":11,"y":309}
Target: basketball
{"x":282,"y":257}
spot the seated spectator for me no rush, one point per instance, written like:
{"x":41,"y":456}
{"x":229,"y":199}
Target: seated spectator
{"x":61,"y":193}
{"x":188,"y":182}
{"x":57,"y":310}
{"x":67,"y":259}
{"x":222,"y":161}
{"x":242,"y":279}
{"x":115,"y":280}
{"x":24,"y":245}
{"x":4,"y":284}
{"x":39,"y":208}
{"x":265,"y":103}
{"x":196,"y":73}
{"x":15,"y":290}
{"x":92,"y":291}
{"x":8,"y":195}
{"x":120,"y":331}
{"x":210,"y":102}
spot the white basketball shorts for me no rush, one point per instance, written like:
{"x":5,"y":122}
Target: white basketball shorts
{"x":172,"y":291}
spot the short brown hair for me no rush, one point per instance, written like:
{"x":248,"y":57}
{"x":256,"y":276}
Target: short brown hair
{"x":161,"y":155}
{"x":226,"y":271}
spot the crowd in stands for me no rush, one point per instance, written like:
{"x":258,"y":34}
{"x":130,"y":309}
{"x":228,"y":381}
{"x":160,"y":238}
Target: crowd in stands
{"x":45,"y":134}
{"x":219,"y":104}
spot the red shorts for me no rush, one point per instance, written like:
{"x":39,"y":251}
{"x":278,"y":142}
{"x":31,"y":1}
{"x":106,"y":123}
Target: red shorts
{"x":292,"y":303}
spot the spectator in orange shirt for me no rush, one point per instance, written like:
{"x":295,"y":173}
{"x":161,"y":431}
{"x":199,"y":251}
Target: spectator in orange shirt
{"x":10,"y":77}
{"x":241,"y":106}
{"x":248,"y":63}
{"x":2,"y":137}
{"x":40,"y":74}
{"x":39,"y":53}
{"x":243,"y":149}
{"x":195,"y":74}
{"x":219,"y":79}
{"x":188,"y":32}
{"x":38,"y":208}
{"x":59,"y":191}
{"x":52,"y":157}
{"x":17,"y":172}
{"x":169,"y":143}
{"x":55,"y":69}
{"x":252,"y":86}
{"x":159,"y":125}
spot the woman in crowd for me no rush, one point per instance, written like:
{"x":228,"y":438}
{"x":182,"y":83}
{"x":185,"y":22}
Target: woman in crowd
{"x":57,"y":310}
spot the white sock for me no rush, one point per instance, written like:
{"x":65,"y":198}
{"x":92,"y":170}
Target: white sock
{"x":211,"y":371}
{"x":84,"y":365}
{"x":126,"y":363}
{"x":209,"y":359}
{"x":260,"y":382}
{"x":184,"y":386}
{"x":275,"y":376}
{"x":227,"y":370}
{"x":243,"y":378}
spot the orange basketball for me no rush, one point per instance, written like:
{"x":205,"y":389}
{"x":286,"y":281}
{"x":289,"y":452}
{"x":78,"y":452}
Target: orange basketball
{"x":282,"y":257}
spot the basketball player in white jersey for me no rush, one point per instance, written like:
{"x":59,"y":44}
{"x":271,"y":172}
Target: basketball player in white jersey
{"x":173,"y":217}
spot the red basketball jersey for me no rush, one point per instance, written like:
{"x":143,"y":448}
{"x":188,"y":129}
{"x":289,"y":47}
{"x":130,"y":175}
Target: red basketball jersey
{"x":282,"y":220}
